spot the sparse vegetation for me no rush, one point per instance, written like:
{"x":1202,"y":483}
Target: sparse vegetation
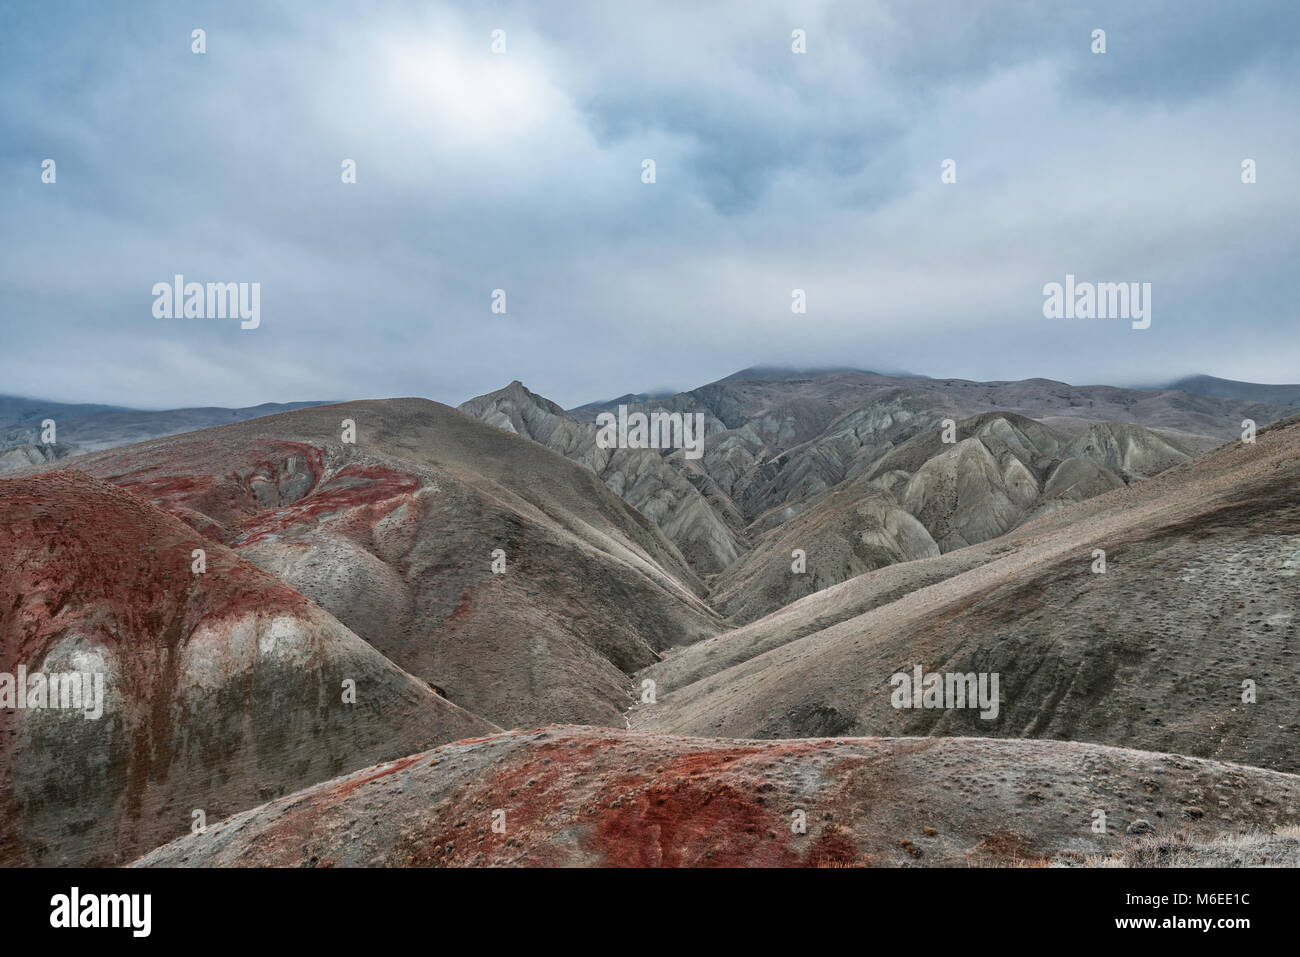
{"x":1280,"y":848}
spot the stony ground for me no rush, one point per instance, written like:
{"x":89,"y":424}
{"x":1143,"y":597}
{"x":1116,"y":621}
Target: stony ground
{"x":574,"y":796}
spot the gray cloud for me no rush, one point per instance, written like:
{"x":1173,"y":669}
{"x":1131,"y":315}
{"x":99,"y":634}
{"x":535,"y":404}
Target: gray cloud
{"x":522,"y":172}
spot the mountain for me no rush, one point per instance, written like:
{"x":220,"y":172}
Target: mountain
{"x":583,"y":797}
{"x":82,"y":428}
{"x":1002,"y":469}
{"x":221,"y":688}
{"x":589,"y":411}
{"x":716,"y":641}
{"x":778,"y":438}
{"x":1183,"y":641}
{"x":685,"y":504}
{"x":863,"y":454}
{"x":397,"y":533}
{"x":851,"y":529}
{"x":1288,"y":395}
{"x":17,"y":410}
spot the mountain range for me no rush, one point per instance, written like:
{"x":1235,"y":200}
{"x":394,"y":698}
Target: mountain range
{"x":304,"y":613}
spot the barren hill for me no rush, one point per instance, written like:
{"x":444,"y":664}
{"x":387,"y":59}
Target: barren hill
{"x":927,"y":495}
{"x":780,"y":442}
{"x":568,"y":796}
{"x":701,"y":520}
{"x":777,"y":437}
{"x":84,"y":428}
{"x":396,"y":534}
{"x":221,"y":688}
{"x":1198,"y":599}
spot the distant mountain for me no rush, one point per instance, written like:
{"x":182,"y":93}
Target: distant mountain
{"x":86,"y":428}
{"x":588,"y":412}
{"x":780,"y":442}
{"x":1232,"y":389}
{"x":698,"y":517}
{"x":20,"y":410}
{"x":776,"y":373}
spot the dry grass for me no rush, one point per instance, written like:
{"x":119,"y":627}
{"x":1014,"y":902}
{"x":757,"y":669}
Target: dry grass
{"x":1178,"y":849}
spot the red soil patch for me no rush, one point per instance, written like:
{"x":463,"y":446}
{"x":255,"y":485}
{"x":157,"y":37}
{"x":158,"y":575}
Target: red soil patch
{"x":169,"y":476}
{"x":75,"y":551}
{"x":1007,"y":847}
{"x":348,"y":787}
{"x":462,"y":610}
{"x":711,"y":807}
{"x":169,"y":488}
{"x":531,"y":792}
{"x":374,"y":490}
{"x":707,"y":808}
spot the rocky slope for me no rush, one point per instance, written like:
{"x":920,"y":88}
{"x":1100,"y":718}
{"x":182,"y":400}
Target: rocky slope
{"x":778,"y":437}
{"x":568,"y":796}
{"x":1003,"y":469}
{"x":851,"y":529}
{"x":221,"y":688}
{"x":1196,"y":606}
{"x":780,"y":442}
{"x":397,"y":534}
{"x":31,"y":453}
{"x":926,"y":496}
{"x":686,"y":505}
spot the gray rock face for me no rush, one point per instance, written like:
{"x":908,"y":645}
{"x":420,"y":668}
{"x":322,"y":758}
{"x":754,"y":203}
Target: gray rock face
{"x":1129,"y":450}
{"x":780,"y":446}
{"x":684,"y":503}
{"x":21,"y":456}
{"x":969,"y":494}
{"x":1005,"y":469}
{"x":848,"y":531}
{"x":846,"y":449}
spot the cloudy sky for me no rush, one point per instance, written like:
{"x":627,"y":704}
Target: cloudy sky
{"x":522,"y":171}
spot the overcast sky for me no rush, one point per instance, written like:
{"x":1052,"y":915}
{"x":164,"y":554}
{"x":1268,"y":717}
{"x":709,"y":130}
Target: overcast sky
{"x":522,"y":171}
